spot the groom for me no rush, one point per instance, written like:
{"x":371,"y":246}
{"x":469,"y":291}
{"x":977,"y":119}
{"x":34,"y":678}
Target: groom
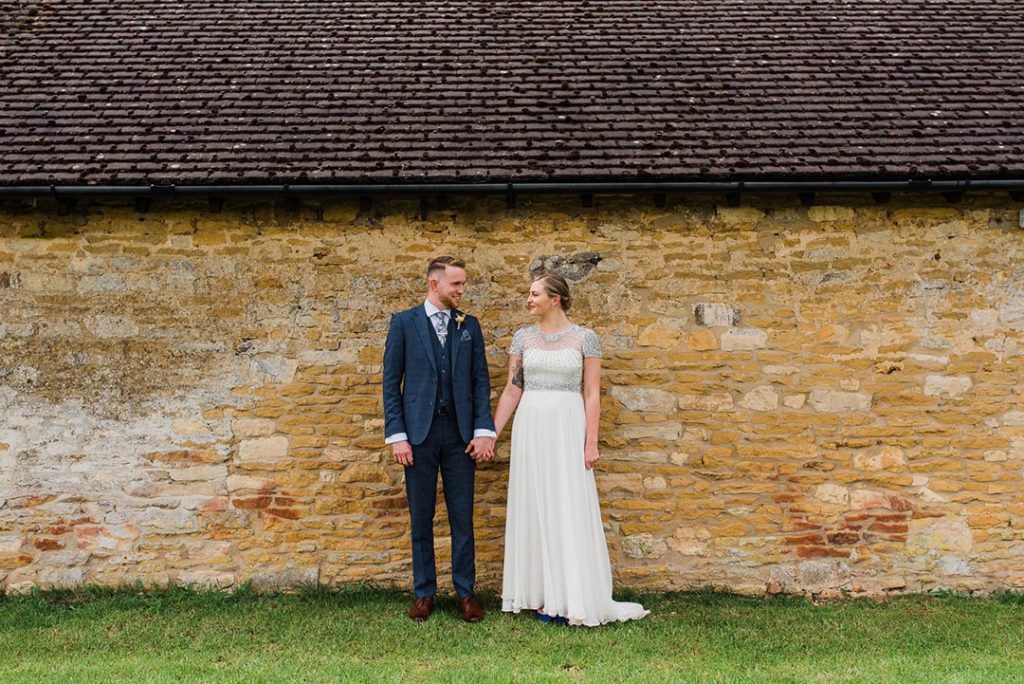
{"x":439,"y":418}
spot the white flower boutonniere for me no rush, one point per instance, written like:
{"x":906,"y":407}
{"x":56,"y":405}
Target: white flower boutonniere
{"x":459,"y":318}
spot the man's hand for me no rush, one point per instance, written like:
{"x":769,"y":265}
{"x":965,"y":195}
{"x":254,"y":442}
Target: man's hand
{"x":481,"y":448}
{"x":403,"y":453}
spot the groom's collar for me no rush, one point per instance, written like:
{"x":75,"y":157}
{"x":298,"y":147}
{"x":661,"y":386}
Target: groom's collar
{"x":431,"y":309}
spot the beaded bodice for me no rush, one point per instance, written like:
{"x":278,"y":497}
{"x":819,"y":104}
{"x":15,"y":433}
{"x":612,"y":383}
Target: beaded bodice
{"x":554,"y":361}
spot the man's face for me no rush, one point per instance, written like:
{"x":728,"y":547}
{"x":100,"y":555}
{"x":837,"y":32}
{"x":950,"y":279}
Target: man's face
{"x":450,"y":286}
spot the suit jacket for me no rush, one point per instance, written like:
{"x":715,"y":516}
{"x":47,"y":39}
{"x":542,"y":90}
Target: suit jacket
{"x":411,"y":376}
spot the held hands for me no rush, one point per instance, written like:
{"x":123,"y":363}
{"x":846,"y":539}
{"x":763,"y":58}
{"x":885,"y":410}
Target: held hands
{"x":403,"y":453}
{"x":481,"y":449}
{"x":590,"y":455}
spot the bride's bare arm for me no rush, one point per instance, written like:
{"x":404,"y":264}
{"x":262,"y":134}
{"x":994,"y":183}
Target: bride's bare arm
{"x":592,"y":406}
{"x":511,"y":394}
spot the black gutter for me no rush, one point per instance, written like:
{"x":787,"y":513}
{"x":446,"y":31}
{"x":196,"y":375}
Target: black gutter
{"x":515,"y":188}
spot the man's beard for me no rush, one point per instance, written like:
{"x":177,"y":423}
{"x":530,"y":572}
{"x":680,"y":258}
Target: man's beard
{"x":446,"y":300}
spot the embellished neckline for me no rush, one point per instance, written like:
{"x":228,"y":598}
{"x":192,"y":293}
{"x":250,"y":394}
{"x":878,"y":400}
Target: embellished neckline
{"x":551,"y":337}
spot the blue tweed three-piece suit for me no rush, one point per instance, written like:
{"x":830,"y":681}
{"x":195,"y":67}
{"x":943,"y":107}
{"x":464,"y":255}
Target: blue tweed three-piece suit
{"x":438,"y":396}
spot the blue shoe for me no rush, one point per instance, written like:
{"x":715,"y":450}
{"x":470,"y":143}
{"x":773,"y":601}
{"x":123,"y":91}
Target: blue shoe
{"x":559,"y":620}
{"x":544,"y":618}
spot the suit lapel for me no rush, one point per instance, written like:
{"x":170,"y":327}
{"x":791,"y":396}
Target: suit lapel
{"x":454,"y":335}
{"x":424,"y":329}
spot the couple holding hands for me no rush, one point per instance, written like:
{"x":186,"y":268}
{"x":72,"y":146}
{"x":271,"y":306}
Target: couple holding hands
{"x":438,"y":418}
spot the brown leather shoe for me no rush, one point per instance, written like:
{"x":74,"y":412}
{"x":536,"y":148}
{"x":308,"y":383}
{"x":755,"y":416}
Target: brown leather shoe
{"x":422,"y":609}
{"x":472,"y":611}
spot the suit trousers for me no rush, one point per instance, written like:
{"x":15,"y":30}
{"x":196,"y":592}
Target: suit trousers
{"x":443,"y":450}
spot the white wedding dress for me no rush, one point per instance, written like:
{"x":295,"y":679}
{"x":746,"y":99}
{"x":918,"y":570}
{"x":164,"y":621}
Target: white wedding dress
{"x":556,"y":556}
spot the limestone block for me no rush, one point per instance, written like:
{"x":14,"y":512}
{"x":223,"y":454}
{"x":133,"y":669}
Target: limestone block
{"x":738,"y":216}
{"x":274,"y":369}
{"x":703,"y":340}
{"x":341,"y":454}
{"x":190,"y":428}
{"x":643,"y":546}
{"x":60,"y":577}
{"x":1011,"y":314}
{"x":716,"y":314}
{"x":942,"y":534}
{"x":690,"y":541}
{"x":107,"y":326}
{"x":795,"y":401}
{"x":811,"y":576}
{"x":983,"y":322}
{"x":10,"y":543}
{"x":885,"y":458}
{"x":285,"y":578}
{"x":644,"y":399}
{"x":763,"y":398}
{"x":743,"y":339}
{"x":620,"y":483}
{"x":241,"y":483}
{"x":253,"y":427}
{"x":718,"y":401}
{"x":663,"y":431}
{"x":832,"y":494}
{"x":947,"y":385}
{"x":774,"y":369}
{"x":655,"y":484}
{"x":199,"y":473}
{"x":340,"y":357}
{"x":830,"y":214}
{"x":263,"y":449}
{"x":952,"y":565}
{"x":213,"y":579}
{"x":665,"y":332}
{"x":835,"y":401}
{"x":866,"y":499}
{"x":103,"y":283}
{"x":1014,"y":418}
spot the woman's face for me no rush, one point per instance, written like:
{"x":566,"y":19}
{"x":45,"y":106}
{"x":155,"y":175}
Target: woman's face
{"x":539,"y":302}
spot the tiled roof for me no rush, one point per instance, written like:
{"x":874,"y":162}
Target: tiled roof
{"x":317,"y":91}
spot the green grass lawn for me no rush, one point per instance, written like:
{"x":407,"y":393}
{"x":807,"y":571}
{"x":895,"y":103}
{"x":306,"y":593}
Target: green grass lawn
{"x":363,"y":635}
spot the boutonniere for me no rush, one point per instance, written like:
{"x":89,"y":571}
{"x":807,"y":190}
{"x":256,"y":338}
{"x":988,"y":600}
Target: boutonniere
{"x":459,"y":318}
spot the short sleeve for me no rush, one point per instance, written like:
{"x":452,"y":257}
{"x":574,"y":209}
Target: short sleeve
{"x":516,"y":348}
{"x":591,"y":344}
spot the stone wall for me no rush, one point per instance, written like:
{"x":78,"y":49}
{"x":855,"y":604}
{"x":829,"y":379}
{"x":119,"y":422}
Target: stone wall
{"x":795,"y":399}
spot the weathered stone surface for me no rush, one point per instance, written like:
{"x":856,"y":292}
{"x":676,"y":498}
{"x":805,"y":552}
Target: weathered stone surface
{"x":1014,"y":418}
{"x":943,"y":534}
{"x":643,"y":546}
{"x":812,"y":576}
{"x":264,"y":449}
{"x":763,"y":398}
{"x":946,"y":386}
{"x":644,"y":399}
{"x":826,"y":214}
{"x":197,"y":397}
{"x":285,"y":578}
{"x":743,"y":339}
{"x":884,"y":458}
{"x":690,"y":541}
{"x":834,"y":401}
{"x":832,"y":494}
{"x":716,"y":314}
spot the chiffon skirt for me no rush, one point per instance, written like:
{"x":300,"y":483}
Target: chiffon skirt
{"x":556,"y":556}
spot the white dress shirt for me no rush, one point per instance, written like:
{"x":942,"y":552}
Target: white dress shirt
{"x":401,"y":436}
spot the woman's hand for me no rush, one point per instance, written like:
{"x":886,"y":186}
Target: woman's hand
{"x":590,"y":455}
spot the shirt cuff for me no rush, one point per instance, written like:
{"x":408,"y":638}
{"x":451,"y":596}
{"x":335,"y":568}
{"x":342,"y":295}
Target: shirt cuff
{"x":397,"y":437}
{"x":485,"y":433}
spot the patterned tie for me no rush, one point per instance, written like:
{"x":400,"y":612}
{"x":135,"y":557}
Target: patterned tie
{"x":441,"y":326}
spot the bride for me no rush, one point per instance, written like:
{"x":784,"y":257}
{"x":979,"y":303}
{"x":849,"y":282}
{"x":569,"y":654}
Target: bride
{"x":556,"y":559}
